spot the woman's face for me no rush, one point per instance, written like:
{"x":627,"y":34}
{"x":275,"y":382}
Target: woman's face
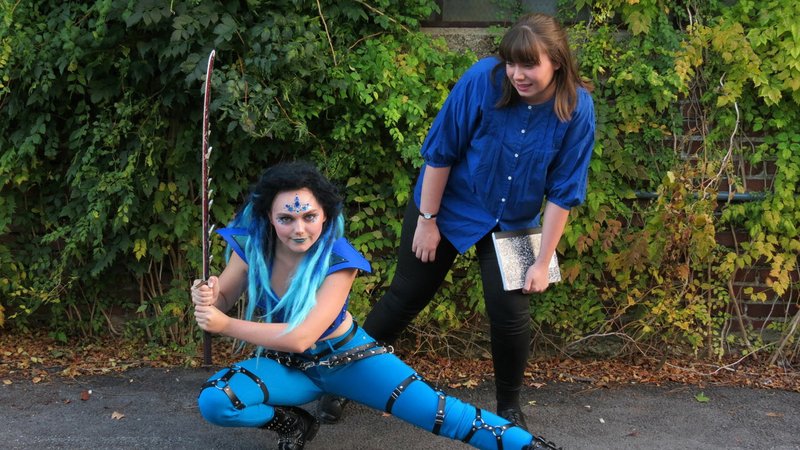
{"x":533,"y":82}
{"x":297,"y":218}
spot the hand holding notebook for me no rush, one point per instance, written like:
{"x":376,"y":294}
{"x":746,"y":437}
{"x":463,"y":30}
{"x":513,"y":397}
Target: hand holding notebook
{"x":516,"y":252}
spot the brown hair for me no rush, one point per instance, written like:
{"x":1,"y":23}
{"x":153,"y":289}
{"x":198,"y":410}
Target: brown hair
{"x":523,"y":43}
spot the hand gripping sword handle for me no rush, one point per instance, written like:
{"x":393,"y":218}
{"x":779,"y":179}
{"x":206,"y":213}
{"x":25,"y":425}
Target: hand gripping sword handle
{"x":205,"y":193}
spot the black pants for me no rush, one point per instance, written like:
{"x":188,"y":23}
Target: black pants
{"x":414,"y":285}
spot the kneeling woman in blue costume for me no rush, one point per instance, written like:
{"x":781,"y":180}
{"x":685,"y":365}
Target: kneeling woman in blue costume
{"x":287,"y":251}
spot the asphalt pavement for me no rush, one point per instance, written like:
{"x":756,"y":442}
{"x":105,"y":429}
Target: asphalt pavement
{"x":156,"y":408}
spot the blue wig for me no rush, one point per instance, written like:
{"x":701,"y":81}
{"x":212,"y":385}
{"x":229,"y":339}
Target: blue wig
{"x":301,"y":296}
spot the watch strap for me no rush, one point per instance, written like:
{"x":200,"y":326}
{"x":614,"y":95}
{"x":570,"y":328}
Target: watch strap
{"x":427,"y":216}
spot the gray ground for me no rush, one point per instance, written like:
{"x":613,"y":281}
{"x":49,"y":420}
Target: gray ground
{"x":159,"y":411}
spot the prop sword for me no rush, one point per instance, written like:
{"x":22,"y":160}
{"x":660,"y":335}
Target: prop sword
{"x":204,"y":180}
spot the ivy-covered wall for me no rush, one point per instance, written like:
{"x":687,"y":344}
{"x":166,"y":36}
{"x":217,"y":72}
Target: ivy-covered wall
{"x":100,"y":145}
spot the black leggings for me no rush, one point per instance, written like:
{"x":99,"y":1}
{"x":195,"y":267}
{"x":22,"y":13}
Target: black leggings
{"x":414,"y":285}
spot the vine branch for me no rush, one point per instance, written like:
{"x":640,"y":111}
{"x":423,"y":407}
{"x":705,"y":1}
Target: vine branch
{"x":377,"y":11}
{"x":327,"y":33}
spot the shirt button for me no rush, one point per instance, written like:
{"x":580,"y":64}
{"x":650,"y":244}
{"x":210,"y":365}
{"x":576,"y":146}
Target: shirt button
{"x":523,"y":131}
{"x":516,"y":155}
{"x":496,"y":220}
{"x":503,"y":200}
{"x":509,"y":178}
{"x":529,"y":106}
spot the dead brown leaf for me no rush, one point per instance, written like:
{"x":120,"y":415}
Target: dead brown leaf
{"x":38,"y":356}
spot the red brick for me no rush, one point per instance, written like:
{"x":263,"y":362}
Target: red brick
{"x":764,"y":310}
{"x":752,"y":275}
{"x":730,"y":238}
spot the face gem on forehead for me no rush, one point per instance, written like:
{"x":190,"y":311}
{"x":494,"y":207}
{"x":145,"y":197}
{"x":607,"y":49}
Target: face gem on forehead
{"x":297,"y":207}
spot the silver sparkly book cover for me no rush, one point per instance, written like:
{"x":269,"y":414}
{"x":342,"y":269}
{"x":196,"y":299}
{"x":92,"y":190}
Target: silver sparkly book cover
{"x":516,"y":252}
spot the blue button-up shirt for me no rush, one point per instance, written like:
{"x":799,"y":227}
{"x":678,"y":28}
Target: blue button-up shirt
{"x":504,"y":162}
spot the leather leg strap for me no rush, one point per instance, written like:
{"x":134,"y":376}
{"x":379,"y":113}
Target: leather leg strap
{"x":477,"y":424}
{"x":440,"y":406}
{"x":437,"y":423}
{"x":480,"y":424}
{"x":355,"y":354}
{"x":223,"y":383}
{"x":399,"y":390}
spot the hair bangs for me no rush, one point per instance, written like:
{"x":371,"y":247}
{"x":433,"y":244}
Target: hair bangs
{"x":520,"y":45}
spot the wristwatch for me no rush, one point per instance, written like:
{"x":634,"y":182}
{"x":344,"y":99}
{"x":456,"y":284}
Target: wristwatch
{"x":427,"y":216}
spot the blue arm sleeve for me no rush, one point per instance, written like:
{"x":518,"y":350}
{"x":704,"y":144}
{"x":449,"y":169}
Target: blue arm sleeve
{"x":566,"y":183}
{"x":452,"y":129}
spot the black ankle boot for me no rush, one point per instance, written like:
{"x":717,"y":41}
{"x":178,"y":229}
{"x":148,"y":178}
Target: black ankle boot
{"x":515,"y":416}
{"x":540,"y":443}
{"x":295,"y":426}
{"x":330,"y":408}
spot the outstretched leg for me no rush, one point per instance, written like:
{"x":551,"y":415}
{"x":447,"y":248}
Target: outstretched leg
{"x":413,"y":286}
{"x":385,"y":383}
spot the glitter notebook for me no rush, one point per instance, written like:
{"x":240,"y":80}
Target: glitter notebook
{"x":516,"y":252}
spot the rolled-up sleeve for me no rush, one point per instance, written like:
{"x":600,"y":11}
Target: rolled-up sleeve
{"x":567,"y":177}
{"x":454,"y":125}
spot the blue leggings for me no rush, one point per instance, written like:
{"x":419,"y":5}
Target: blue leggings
{"x":371,"y":381}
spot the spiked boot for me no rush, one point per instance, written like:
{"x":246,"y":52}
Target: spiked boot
{"x":295,"y":426}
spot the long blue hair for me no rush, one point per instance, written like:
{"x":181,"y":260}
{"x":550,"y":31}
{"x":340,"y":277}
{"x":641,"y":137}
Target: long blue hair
{"x":301,"y":296}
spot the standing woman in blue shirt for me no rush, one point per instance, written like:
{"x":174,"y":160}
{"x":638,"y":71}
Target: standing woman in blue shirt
{"x":515,"y":133}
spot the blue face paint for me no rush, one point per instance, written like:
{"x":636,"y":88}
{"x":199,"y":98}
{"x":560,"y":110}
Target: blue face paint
{"x":297,"y":207}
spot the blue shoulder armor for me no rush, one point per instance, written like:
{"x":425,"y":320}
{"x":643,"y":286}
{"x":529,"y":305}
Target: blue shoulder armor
{"x":236,"y":239}
{"x":344,"y":256}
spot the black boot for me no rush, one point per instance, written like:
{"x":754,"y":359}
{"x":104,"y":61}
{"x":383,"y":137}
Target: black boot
{"x":330,"y":408}
{"x":515,"y":416}
{"x":540,"y":443}
{"x":295,"y":426}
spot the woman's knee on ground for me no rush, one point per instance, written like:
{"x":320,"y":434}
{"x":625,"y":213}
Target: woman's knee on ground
{"x":216,"y":407}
